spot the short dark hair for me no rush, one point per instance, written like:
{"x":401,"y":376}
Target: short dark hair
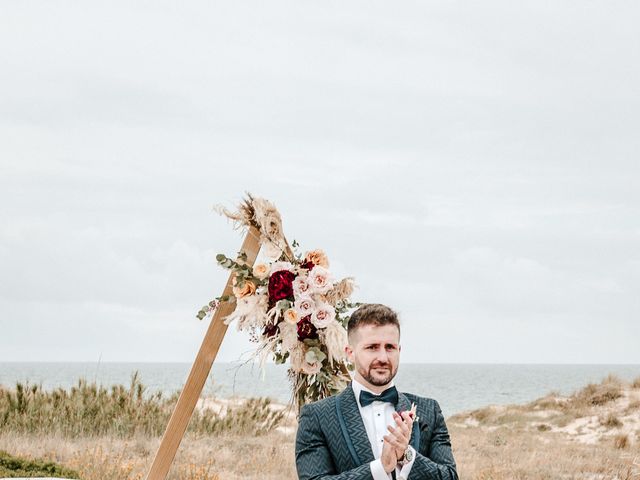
{"x":372,"y":314}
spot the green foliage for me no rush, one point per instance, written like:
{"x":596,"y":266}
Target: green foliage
{"x":280,"y":358}
{"x":13,"y":467}
{"x":88,"y":410}
{"x":239,"y":266}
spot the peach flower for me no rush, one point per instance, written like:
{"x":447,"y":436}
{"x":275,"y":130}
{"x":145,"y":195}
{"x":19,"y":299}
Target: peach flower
{"x":317,"y":257}
{"x":291,"y":316}
{"x":261,"y":271}
{"x":248,"y":288}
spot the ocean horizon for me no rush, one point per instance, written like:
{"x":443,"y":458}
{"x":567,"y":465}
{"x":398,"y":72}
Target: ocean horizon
{"x":456,"y":386}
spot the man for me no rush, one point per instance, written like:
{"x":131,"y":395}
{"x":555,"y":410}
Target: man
{"x":368,"y":431}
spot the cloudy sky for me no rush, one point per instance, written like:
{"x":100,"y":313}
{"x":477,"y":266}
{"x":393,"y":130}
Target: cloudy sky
{"x":475,"y":165}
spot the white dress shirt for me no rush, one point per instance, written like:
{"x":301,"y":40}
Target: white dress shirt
{"x":376,"y":416}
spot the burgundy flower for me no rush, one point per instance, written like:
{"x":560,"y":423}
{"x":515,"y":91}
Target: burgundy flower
{"x":270,"y":330}
{"x":308,"y":265}
{"x":281,"y":285}
{"x":306,"y":329}
{"x":408,"y":411}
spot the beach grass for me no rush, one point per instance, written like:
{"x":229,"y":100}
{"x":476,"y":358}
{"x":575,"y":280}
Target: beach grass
{"x":591,"y":434}
{"x":88,"y":409}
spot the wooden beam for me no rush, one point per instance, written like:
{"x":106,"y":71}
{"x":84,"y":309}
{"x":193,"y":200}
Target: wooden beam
{"x":199,"y":371}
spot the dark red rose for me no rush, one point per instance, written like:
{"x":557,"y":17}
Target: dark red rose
{"x":281,"y":285}
{"x":306,"y":329}
{"x":308,"y":265}
{"x":270,"y":330}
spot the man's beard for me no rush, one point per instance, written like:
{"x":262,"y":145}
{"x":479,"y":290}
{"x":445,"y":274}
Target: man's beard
{"x":378,"y":381}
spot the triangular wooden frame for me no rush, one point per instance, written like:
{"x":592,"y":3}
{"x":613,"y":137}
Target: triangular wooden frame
{"x":181,"y":415}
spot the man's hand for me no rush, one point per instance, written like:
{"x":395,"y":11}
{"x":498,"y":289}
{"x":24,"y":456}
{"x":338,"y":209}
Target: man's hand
{"x":399,"y":436}
{"x":388,"y":457}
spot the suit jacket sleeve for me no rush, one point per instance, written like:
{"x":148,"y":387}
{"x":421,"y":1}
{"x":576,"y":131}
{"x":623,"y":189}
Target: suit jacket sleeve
{"x":313,"y":459}
{"x":436,"y":463}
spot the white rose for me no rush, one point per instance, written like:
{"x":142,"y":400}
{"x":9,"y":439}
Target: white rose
{"x":304,"y":305}
{"x":323,"y":315}
{"x":320,"y":280}
{"x":300,"y":286}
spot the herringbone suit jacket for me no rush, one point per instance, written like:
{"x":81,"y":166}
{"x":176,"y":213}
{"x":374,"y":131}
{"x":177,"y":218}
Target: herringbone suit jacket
{"x":332,"y":442}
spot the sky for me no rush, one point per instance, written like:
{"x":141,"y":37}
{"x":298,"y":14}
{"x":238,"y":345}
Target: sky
{"x":474,"y":165}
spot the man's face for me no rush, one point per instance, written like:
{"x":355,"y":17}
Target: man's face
{"x":375,"y":352}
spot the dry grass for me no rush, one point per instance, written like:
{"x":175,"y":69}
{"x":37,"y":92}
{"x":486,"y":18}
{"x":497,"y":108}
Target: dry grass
{"x":608,"y":390}
{"x":518,"y":442}
{"x":611,"y":421}
{"x":231,"y":457}
{"x":544,"y":456}
{"x":590,"y":434}
{"x":112,"y":433}
{"x":124,"y":412}
{"x":621,"y":441}
{"x":482,"y":414}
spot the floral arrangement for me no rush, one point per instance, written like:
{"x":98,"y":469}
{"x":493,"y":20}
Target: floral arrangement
{"x":290,"y":304}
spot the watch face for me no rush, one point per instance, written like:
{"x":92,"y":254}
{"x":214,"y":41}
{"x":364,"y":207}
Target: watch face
{"x":408,"y":454}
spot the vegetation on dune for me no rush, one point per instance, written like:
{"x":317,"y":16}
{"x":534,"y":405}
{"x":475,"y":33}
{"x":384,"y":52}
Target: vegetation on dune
{"x":14,"y":467}
{"x":91,"y":410}
{"x":565,"y":409}
{"x":525,"y":442}
{"x":596,"y":394}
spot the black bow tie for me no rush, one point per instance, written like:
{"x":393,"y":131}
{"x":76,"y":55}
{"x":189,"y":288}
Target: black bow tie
{"x":389,"y":395}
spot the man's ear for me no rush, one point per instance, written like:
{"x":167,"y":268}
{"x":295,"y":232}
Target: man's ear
{"x":349,"y":351}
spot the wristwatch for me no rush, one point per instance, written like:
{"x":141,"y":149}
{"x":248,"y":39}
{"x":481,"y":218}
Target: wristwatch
{"x":407,"y":457}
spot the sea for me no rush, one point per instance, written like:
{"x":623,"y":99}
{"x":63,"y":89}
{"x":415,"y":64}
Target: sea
{"x":456,"y":387}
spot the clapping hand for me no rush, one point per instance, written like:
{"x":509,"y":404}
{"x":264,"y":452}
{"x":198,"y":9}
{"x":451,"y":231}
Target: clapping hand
{"x":400,"y":435}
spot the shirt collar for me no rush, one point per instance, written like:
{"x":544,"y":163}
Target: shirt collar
{"x":358,"y":387}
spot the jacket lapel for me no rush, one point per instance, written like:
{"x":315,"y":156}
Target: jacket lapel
{"x":405,"y":404}
{"x":353,"y":427}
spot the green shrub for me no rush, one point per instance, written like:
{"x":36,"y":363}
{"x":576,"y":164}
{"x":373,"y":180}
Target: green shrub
{"x":12,"y":467}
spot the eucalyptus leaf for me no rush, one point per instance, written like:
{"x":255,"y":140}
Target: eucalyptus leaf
{"x":283,"y":305}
